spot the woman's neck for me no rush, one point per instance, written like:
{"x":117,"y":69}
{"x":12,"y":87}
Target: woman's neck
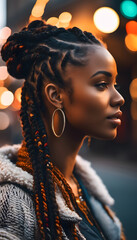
{"x":63,"y":151}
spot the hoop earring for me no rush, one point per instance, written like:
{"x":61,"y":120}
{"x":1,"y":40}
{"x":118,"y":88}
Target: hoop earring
{"x":64,"y":122}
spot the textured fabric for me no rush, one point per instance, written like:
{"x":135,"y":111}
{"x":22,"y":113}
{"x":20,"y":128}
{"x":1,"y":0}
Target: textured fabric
{"x":17,"y":215}
{"x":17,"y":212}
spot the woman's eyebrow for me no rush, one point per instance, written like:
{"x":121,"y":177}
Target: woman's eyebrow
{"x":108,"y":74}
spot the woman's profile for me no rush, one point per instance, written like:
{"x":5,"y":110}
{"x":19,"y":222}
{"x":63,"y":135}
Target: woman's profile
{"x":47,"y":190}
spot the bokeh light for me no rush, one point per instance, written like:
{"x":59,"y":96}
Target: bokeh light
{"x":5,"y":33}
{"x":134,"y":110}
{"x":32,"y":18}
{"x":1,"y":83}
{"x":106,"y":19}
{"x":53,"y":21}
{"x":65,"y":17}
{"x":128,"y":9}
{"x":16,"y":105}
{"x":131,"y":42}
{"x":131,"y":27}
{"x":18,"y":94}
{"x":2,"y":89}
{"x":37,"y":11}
{"x":64,"y":25}
{"x":7,"y":98}
{"x":133,"y":89}
{"x":4,"y":121}
{"x":3,"y":73}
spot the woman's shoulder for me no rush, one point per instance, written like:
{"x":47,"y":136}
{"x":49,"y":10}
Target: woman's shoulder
{"x":98,"y":199}
{"x":92,"y":181}
{"x":9,"y":172}
{"x":15,"y":183}
{"x":17,"y":211}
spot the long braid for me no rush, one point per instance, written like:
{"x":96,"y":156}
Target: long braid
{"x":39,"y":53}
{"x":32,"y":153}
{"x":47,"y":181}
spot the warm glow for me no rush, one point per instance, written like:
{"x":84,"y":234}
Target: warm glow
{"x":5,"y":33}
{"x":37,"y":11}
{"x":134,"y":110}
{"x":32,"y":18}
{"x":1,"y":83}
{"x":7,"y":98}
{"x":4,"y":121}
{"x":106,"y":19}
{"x":2,"y":90}
{"x":18,"y":94}
{"x":133,"y":89}
{"x":3,"y":73}
{"x":65,"y":17}
{"x":64,"y":25}
{"x":53,"y":21}
{"x":16,"y":105}
{"x":41,"y":2}
{"x":131,"y":27}
{"x":131,"y":42}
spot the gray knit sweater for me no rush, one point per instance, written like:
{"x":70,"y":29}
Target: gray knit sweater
{"x":17,"y":212}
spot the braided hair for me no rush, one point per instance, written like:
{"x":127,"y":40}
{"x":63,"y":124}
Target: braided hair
{"x":40,"y":52}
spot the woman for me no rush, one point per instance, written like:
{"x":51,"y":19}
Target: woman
{"x":69,"y":93}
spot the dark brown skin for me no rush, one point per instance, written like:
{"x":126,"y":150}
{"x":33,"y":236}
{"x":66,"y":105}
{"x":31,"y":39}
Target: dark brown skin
{"x":86,"y":113}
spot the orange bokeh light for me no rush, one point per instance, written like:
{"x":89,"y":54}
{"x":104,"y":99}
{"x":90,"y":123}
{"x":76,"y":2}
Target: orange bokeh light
{"x":18,"y":94}
{"x":37,"y":11}
{"x":53,"y":21}
{"x":65,"y":17}
{"x":16,"y":105}
{"x":131,"y":42}
{"x":131,"y":27}
{"x":133,"y":89}
{"x":2,"y":90}
{"x":32,"y":18}
{"x":64,"y":25}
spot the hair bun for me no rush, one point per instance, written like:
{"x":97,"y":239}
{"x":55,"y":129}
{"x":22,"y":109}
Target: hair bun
{"x":21,"y":49}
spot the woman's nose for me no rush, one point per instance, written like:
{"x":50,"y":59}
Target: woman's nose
{"x":117,"y":99}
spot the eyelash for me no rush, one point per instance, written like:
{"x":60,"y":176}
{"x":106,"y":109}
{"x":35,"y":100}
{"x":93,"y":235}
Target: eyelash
{"x":104,"y":85}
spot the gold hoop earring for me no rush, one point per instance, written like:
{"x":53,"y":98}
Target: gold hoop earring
{"x":64,"y":122}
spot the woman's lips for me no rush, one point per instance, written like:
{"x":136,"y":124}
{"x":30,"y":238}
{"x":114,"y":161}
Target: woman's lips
{"x":115,"y":118}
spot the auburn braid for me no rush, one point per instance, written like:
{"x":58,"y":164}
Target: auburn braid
{"x":32,"y":153}
{"x":40,"y":52}
{"x":47,"y":180}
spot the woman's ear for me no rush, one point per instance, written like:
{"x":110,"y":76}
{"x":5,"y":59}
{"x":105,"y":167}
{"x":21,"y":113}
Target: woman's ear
{"x":53,"y":94}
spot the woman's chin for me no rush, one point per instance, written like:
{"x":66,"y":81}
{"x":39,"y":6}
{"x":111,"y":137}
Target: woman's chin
{"x":107,"y":136}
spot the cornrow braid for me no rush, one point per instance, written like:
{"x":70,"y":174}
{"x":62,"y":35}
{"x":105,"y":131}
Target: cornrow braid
{"x":40,"y":53}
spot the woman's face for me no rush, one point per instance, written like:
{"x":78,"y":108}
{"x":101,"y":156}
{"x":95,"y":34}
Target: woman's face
{"x":92,"y":104}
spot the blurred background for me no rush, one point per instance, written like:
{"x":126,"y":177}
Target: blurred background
{"x":115,"y":22}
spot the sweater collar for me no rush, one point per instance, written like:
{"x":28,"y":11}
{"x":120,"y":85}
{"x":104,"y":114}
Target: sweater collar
{"x":9,"y":172}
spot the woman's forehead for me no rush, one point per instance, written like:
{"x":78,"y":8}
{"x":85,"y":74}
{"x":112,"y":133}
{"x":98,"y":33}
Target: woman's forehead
{"x":97,"y":59}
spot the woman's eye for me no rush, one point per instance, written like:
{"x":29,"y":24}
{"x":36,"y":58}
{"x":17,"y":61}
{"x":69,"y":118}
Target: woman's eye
{"x":102,"y":85}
